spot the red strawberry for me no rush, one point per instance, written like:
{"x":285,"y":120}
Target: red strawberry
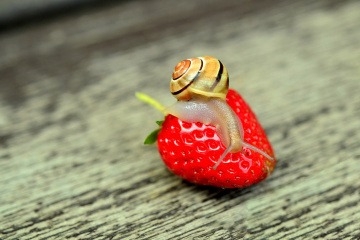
{"x":191,"y":150}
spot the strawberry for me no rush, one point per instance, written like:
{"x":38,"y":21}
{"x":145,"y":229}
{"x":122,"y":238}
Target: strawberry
{"x":190,"y":150}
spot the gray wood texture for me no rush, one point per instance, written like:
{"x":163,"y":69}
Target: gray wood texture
{"x":72,"y":163}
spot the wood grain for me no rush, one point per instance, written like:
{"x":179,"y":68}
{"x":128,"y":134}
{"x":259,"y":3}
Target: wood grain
{"x":72,"y":163}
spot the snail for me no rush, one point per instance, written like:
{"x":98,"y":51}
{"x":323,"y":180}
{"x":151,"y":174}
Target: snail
{"x":200,"y":85}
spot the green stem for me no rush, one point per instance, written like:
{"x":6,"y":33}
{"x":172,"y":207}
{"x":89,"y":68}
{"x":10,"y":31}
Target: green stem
{"x":149,"y":100}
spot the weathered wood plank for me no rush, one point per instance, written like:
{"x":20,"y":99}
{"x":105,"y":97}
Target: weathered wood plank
{"x":72,"y":164}
{"x":19,"y":13}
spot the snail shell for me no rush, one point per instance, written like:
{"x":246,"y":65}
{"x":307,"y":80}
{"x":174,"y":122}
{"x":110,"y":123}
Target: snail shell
{"x":205,"y":76}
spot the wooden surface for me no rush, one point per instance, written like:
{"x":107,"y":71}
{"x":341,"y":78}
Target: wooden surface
{"x":72,"y":163}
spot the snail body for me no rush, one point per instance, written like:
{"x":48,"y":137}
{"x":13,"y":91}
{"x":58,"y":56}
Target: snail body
{"x":200,"y":85}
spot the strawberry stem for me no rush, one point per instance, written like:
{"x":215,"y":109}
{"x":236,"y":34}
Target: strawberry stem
{"x":149,"y":100}
{"x":152,"y":137}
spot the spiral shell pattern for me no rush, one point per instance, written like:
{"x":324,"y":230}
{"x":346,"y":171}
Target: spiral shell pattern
{"x":201,"y":76}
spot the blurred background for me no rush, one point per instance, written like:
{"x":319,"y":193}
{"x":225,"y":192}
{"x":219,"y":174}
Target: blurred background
{"x":71,"y":130}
